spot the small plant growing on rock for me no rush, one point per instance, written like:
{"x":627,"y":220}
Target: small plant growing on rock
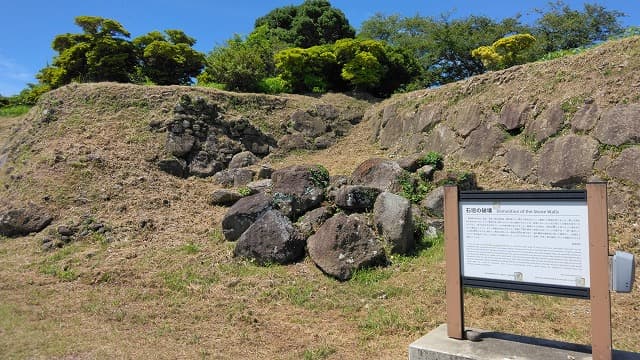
{"x":432,"y":158}
{"x":245,"y":191}
{"x":320,"y":176}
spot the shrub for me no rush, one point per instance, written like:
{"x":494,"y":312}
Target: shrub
{"x":432,"y":158}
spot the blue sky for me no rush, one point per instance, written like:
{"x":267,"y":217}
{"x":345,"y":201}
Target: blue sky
{"x":27,"y":27}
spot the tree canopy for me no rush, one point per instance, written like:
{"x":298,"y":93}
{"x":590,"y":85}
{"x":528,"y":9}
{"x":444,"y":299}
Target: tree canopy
{"x":100,"y":53}
{"x":168,"y":58}
{"x":314,"y":22}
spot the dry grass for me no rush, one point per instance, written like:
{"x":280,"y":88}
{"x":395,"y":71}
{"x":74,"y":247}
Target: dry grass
{"x":172,"y":289}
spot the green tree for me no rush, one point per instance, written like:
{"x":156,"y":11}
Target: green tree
{"x":314,"y":22}
{"x":168,"y":58}
{"x":442,"y":46}
{"x":562,"y":28}
{"x":505,"y":52}
{"x":241,"y":64}
{"x":101,"y":53}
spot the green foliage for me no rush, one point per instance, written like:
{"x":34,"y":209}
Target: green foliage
{"x":314,"y":22}
{"x":348,"y":64}
{"x":562,"y":28}
{"x":14,"y":110}
{"x":320,"y":176}
{"x":167,"y":59}
{"x":100,"y":53}
{"x":505,"y":52}
{"x":414,"y":188}
{"x":322,"y":352}
{"x":432,"y":158}
{"x":441,"y":46}
{"x":245,"y":191}
{"x":274,"y":85}
{"x":562,"y":53}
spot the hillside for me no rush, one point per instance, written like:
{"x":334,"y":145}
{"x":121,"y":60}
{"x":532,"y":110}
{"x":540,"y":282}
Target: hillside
{"x":148,"y":273}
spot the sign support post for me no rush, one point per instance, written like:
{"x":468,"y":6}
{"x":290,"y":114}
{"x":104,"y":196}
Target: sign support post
{"x":455,"y":308}
{"x":599,"y":269}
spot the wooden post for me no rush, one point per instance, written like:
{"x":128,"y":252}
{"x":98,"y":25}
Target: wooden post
{"x":601,"y":348}
{"x":455,"y":307}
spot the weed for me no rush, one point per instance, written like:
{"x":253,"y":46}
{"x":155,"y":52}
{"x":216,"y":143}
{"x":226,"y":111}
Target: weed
{"x":529,"y":140}
{"x":216,"y":236}
{"x":432,"y":158}
{"x":369,"y":276}
{"x":187,"y":280}
{"x":497,"y":108}
{"x":318,"y":353}
{"x":570,"y":106}
{"x":59,"y":264}
{"x":382,"y":321}
{"x":414,"y":189}
{"x":319,"y":176}
{"x":190,"y":248}
{"x":245,"y":191}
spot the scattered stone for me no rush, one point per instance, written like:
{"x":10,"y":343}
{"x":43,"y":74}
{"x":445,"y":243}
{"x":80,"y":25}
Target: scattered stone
{"x":299,"y":188}
{"x":202,"y":165}
{"x":24,"y":221}
{"x":264,"y":172}
{"x":311,"y":221}
{"x":243,"y":213}
{"x":243,"y":159}
{"x":411,"y":163}
{"x":379,"y":173}
{"x":426,"y":172}
{"x":179,"y":145}
{"x":174,"y":166}
{"x":434,"y":202}
{"x":233,"y":177}
{"x":66,"y":230}
{"x":344,"y":244}
{"x":271,"y":239}
{"x":263,"y":185}
{"x":393,"y":220}
{"x":356,"y":197}
{"x":224,"y":197}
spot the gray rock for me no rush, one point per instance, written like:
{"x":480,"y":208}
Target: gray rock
{"x":585,"y":118}
{"x":324,"y":141}
{"x":173,"y":166}
{"x":307,"y":124}
{"x":356,"y":197}
{"x":24,"y":221}
{"x":434,"y":202}
{"x":344,"y":244}
{"x":243,"y":159}
{"x":443,"y":140}
{"x":627,"y":165}
{"x":521,"y":161}
{"x":294,"y":141}
{"x":393,"y":220}
{"x":179,"y":145}
{"x":263,"y":185}
{"x":67,"y":230}
{"x":567,"y":160}
{"x":233,"y":177}
{"x":514,"y":115}
{"x":243,"y":213}
{"x":411,"y":163}
{"x":379,"y":173}
{"x":482,"y":143}
{"x":426,"y":172}
{"x":467,"y":118}
{"x":619,"y":125}
{"x":203,"y":165}
{"x":311,"y":221}
{"x":224,"y":197}
{"x":271,"y":239}
{"x":264,"y":172}
{"x":299,"y":188}
{"x":546,"y":124}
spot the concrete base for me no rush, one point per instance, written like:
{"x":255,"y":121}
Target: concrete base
{"x":500,"y":346}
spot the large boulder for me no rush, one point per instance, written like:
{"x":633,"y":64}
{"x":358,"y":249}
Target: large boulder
{"x":378,"y":173}
{"x":520,"y":160}
{"x":271,"y":239}
{"x":174,"y":166}
{"x":299,"y":188}
{"x":627,"y":165}
{"x":619,"y":125}
{"x":234,"y":177}
{"x":311,"y":221}
{"x":567,"y":160}
{"x":434,"y":202}
{"x":224,"y":197}
{"x":243,"y":213}
{"x":243,"y":159}
{"x":482,"y":143}
{"x":393,"y":219}
{"x":547,"y":123}
{"x":344,"y":244}
{"x":514,"y":115}
{"x":23,"y":221}
{"x":356,"y":197}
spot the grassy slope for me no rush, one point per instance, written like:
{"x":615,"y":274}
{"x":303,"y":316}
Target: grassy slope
{"x":173,"y":290}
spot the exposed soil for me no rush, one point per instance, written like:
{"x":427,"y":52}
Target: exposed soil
{"x":162,"y":283}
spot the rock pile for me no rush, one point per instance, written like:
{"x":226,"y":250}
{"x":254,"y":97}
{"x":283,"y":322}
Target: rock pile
{"x":345,"y":223}
{"x":201,"y":142}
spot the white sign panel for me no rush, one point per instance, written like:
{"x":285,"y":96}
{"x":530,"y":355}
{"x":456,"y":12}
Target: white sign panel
{"x":542,"y":242}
